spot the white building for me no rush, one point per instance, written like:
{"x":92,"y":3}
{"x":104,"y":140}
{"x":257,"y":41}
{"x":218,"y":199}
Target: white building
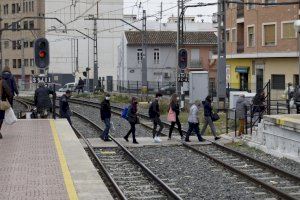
{"x":71,"y":52}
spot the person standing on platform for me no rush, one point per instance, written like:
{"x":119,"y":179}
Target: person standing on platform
{"x":42,"y":100}
{"x":132,"y":119}
{"x":241,"y":109}
{"x":154,"y":114}
{"x":11,"y":82}
{"x":105,"y":112}
{"x":288,"y":94}
{"x":258,"y":106}
{"x":193,"y":121}
{"x":80,"y":85}
{"x":5,"y":93}
{"x":208,"y":117}
{"x":64,"y":108}
{"x":173,"y":115}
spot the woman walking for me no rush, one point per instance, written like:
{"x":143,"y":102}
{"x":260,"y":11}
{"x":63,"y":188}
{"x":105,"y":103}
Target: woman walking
{"x":132,"y":119}
{"x":194,"y":121}
{"x":173,"y":114}
{"x":5,"y":95}
{"x":208,"y":117}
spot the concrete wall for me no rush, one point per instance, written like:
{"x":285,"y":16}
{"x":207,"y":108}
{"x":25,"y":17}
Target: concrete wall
{"x":278,"y":135}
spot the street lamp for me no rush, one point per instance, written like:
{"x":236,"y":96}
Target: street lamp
{"x":297,"y":28}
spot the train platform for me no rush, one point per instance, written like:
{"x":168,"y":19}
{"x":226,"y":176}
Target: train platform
{"x":43,"y":159}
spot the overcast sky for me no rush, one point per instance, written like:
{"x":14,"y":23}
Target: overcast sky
{"x":153,"y":7}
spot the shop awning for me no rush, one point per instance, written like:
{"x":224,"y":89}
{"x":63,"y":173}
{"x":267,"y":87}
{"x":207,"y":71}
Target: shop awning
{"x":242,"y":70}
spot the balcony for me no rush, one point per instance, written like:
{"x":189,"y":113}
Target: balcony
{"x":240,"y":47}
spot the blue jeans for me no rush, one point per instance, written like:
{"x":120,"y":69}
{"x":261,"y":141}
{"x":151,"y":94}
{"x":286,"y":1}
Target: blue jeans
{"x":194,"y":127}
{"x":106,"y":130}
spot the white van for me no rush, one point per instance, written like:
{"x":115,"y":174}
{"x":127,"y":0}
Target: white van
{"x":68,"y":86}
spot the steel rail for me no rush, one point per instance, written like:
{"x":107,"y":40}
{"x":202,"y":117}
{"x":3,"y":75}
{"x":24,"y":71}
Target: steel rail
{"x":169,"y":191}
{"x":240,"y":154}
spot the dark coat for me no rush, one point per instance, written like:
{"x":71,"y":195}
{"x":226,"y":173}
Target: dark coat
{"x":6,"y":94}
{"x":64,"y":108}
{"x":105,"y":110}
{"x":80,"y":83}
{"x":132,"y":115}
{"x":155,"y":108}
{"x":11,"y":82}
{"x":258,"y":103}
{"x":207,"y":108}
{"x":175,"y":108}
{"x":42,"y":99}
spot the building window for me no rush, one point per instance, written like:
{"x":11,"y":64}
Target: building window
{"x":156,"y":56}
{"x":288,"y":31}
{"x":14,"y":63}
{"x":6,"y":25}
{"x":195,"y":59}
{"x":13,"y":8}
{"x":227,"y":35}
{"x":26,"y":62}
{"x":5,"y":9}
{"x":139,"y":55}
{"x":296,"y":79}
{"x":233,"y":35}
{"x":31,"y":24}
{"x":31,"y":62}
{"x":25,"y":24}
{"x":29,"y":6}
{"x":278,"y":81}
{"x":19,"y":44}
{"x":23,"y":6}
{"x":6,"y":44}
{"x":32,"y":6}
{"x":6,"y":63}
{"x":251,"y":36}
{"x":269,"y":35}
{"x":25,"y":44}
{"x":14,"y":45}
{"x":26,"y":5}
{"x":251,"y":6}
{"x":19,"y":63}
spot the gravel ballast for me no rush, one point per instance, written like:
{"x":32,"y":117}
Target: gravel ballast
{"x":197,"y":176}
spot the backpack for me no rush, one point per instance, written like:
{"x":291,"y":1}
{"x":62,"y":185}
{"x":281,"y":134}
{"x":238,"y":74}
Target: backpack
{"x":124,"y":113}
{"x":150,"y":111}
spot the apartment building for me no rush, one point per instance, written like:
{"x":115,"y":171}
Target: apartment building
{"x":17,"y":44}
{"x":262,"y":45}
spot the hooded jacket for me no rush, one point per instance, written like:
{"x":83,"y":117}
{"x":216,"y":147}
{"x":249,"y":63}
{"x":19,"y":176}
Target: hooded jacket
{"x":207,"y":108}
{"x":11,"y":82}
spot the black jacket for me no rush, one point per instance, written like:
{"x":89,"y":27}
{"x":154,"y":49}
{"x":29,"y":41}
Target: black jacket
{"x":155,"y":109}
{"x":6,"y":94}
{"x":11,"y":82}
{"x":64,"y":108}
{"x":207,"y":108}
{"x":81,"y":83}
{"x":42,"y":99}
{"x":175,"y":108}
{"x":105,"y":110}
{"x":132,"y":115}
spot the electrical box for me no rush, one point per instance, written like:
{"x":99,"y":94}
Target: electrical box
{"x":198,"y":85}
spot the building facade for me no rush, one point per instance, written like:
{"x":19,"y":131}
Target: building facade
{"x":162,"y":55}
{"x":17,"y":45}
{"x":262,"y":46}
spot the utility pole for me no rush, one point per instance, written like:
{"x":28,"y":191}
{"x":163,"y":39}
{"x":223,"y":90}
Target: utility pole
{"x":77,"y":63}
{"x":95,"y":81}
{"x":160,"y":17}
{"x":180,"y":42}
{"x":221,"y":67}
{"x":22,"y":63}
{"x":144,"y":47}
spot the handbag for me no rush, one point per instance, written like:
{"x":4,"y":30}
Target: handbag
{"x":171,"y":116}
{"x":10,"y":117}
{"x":215,"y":117}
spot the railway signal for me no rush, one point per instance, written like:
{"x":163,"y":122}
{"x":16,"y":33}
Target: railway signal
{"x":41,"y":53}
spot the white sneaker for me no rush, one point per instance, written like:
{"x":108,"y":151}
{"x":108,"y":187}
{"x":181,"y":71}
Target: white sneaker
{"x":157,"y":139}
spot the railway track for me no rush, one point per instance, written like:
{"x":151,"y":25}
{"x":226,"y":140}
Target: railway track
{"x":281,"y":183}
{"x":129,"y":178}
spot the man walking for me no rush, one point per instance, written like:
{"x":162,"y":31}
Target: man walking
{"x":42,"y":100}
{"x":105,"y":111}
{"x":80,"y":85}
{"x":11,"y":82}
{"x":154,"y":114}
{"x":64,"y":108}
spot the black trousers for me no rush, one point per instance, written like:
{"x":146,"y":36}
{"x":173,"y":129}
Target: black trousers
{"x":156,"y":121}
{"x":172,"y":127}
{"x":132,"y":130}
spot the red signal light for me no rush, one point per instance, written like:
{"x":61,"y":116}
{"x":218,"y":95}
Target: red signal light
{"x":42,"y":54}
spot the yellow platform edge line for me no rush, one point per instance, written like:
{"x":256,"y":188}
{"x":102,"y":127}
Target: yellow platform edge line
{"x":63,"y":163}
